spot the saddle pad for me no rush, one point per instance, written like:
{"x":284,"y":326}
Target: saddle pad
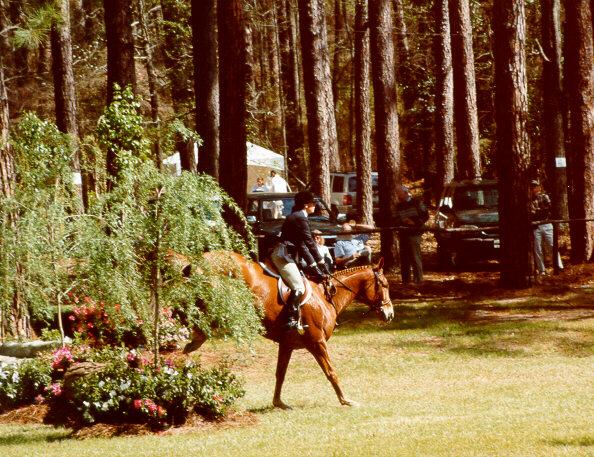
{"x":284,"y":291}
{"x":269,"y":268}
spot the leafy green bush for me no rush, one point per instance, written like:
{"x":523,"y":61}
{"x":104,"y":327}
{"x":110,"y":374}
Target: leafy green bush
{"x":129,"y":389}
{"x":22,"y":383}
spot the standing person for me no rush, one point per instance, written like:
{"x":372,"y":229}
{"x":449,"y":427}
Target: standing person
{"x":278,"y":183}
{"x":540,"y":210}
{"x":297,"y":243}
{"x":412,"y":214}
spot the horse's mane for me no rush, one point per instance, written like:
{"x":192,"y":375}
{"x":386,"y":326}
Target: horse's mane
{"x":351,"y":270}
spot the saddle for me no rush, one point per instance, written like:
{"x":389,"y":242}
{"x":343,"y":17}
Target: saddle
{"x":284,"y":290}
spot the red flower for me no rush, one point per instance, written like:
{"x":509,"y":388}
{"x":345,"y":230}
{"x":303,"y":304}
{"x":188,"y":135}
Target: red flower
{"x":90,"y":325}
{"x":137,"y":404}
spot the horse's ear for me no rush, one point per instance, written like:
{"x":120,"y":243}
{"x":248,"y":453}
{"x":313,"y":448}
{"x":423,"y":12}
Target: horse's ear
{"x":380,"y":264}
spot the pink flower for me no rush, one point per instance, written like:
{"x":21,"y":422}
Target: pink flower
{"x":54,"y":389}
{"x":39,"y":399}
{"x":71,"y":317}
{"x":90,"y":325}
{"x":161,"y":412}
{"x":137,"y":404}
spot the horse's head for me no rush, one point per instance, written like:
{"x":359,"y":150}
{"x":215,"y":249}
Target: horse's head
{"x":378,"y":296}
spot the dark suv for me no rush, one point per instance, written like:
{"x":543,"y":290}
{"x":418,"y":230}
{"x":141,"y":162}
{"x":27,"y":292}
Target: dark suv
{"x":467,"y":221}
{"x":267,"y":212}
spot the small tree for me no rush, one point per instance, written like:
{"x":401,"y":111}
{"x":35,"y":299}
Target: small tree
{"x":37,"y":244}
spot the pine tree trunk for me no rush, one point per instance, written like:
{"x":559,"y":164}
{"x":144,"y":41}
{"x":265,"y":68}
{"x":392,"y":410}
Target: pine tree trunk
{"x":178,"y":67}
{"x":321,"y":122}
{"x":402,"y":48}
{"x":235,"y":75}
{"x":151,"y":71}
{"x":444,"y":97}
{"x":206,"y":84}
{"x":580,"y":93}
{"x":465,"y":108}
{"x":513,"y":151}
{"x":65,"y":89}
{"x":21,"y":53}
{"x":387,"y":138}
{"x":89,"y":24}
{"x":336,"y":57}
{"x":14,"y":319}
{"x":121,"y":69}
{"x":553,"y":134}
{"x":290,"y":88}
{"x":362,"y":115}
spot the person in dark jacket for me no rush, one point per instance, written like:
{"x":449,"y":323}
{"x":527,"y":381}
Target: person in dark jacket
{"x":540,"y":210}
{"x":297,"y":243}
{"x":412,"y":214}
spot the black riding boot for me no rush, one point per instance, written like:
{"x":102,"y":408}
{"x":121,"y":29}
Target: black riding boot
{"x":293,"y":309}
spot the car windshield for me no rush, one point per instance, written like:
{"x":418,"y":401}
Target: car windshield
{"x":353,"y":183}
{"x":471,"y":198}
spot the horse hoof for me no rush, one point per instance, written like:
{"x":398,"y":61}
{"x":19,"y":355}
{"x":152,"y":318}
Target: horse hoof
{"x":351,"y":403}
{"x":192,"y":346}
{"x":281,"y":405}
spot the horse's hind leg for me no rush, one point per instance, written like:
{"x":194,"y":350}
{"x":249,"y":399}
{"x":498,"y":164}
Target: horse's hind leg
{"x":284,"y":356}
{"x":198,"y":339}
{"x":320,"y":352}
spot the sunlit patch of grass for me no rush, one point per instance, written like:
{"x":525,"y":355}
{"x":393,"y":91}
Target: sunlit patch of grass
{"x":432,"y":383}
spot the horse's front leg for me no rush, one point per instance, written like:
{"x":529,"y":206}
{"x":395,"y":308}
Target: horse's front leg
{"x":320,"y":352}
{"x":284,"y":356}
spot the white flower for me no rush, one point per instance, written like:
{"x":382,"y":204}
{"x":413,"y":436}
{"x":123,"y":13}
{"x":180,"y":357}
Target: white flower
{"x":86,"y":403}
{"x":101,"y":383}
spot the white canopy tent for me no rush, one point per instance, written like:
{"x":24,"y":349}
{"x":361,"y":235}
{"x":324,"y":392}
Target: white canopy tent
{"x":257,"y":156}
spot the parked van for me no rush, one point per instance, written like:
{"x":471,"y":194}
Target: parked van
{"x":343,"y":188}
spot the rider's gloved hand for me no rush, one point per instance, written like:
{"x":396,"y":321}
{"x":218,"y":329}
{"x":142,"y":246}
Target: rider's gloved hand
{"x":314,"y":273}
{"x":324,"y":268}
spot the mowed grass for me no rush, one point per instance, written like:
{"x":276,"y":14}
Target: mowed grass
{"x":446,"y":378}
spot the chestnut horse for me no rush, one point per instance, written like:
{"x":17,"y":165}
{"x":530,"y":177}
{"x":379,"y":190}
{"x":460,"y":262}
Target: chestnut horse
{"x":366,"y":283}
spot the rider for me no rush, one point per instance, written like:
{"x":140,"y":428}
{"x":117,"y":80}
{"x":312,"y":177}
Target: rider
{"x":296,"y":242}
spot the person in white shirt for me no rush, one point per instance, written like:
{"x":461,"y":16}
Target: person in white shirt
{"x":277,"y":184}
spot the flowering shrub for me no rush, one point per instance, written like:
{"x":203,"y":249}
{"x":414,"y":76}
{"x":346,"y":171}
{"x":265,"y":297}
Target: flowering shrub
{"x":97,"y":323}
{"x":24,"y":382}
{"x":131,"y":389}
{"x":62,"y":358}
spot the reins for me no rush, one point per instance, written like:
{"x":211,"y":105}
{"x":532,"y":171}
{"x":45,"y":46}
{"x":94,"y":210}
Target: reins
{"x":330,"y":293}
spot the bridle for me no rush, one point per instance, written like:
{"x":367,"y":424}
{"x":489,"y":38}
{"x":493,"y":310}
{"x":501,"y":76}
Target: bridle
{"x":379,"y":284}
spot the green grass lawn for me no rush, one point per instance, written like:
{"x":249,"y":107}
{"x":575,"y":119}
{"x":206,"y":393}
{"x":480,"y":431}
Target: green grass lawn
{"x":509,"y":377}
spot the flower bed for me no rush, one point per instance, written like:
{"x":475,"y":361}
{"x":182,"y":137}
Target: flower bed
{"x":127,"y":388}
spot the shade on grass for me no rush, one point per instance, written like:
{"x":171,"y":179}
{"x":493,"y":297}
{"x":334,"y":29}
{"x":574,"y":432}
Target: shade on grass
{"x":444,"y":388}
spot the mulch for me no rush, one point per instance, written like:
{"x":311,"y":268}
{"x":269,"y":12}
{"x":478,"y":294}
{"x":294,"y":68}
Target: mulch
{"x":30,"y":414}
{"x":36,"y":414}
